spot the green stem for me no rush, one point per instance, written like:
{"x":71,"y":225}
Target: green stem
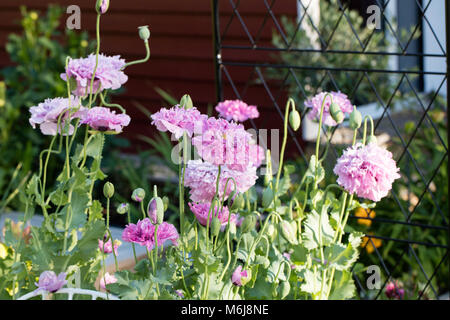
{"x":147,"y":57}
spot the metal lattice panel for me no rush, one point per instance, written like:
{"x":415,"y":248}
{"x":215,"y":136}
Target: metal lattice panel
{"x":413,"y":222}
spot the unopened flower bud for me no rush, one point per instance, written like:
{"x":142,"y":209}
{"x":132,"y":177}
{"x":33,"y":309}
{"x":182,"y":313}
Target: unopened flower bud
{"x":123,"y":208}
{"x":283,"y":289}
{"x":165,"y":200}
{"x":102,"y":6}
{"x":138,"y":195}
{"x":238,"y":203}
{"x":294,"y":120}
{"x":248,"y":224}
{"x":267,"y":197}
{"x":215,"y":226}
{"x":108,"y":190}
{"x":355,"y":119}
{"x":271,"y":232}
{"x":287,"y":232}
{"x":144,"y":33}
{"x":186,"y":102}
{"x":372,"y":139}
{"x":155,"y":210}
{"x":336,"y":113}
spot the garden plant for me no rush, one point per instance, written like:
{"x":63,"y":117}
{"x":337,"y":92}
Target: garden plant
{"x":231,"y":240}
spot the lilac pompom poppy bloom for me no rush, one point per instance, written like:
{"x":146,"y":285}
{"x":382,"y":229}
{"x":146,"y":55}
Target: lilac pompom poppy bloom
{"x":240,"y":277}
{"x":201,"y":211}
{"x":227,"y":143}
{"x":315,"y":104}
{"x":178,"y":120}
{"x":49,"y":281}
{"x":237,"y":110}
{"x":46,"y":114}
{"x":143,"y":233}
{"x":368,"y":171}
{"x":108,"y":75}
{"x":103,"y":119}
{"x":201,"y":178}
{"x":107,"y":279}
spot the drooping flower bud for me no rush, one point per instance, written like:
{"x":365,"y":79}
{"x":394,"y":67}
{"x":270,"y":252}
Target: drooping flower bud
{"x":372,"y":139}
{"x":336,"y":113}
{"x":294,"y":120}
{"x":287,"y":232}
{"x":186,"y":102}
{"x":238,"y":203}
{"x":267,"y":197}
{"x":248,"y":224}
{"x":155,"y":210}
{"x":102,"y":6}
{"x":138,"y":195}
{"x":271,"y":232}
{"x":355,"y":119}
{"x":215,"y":226}
{"x":123,"y":208}
{"x":108,"y":190}
{"x":284,"y":289}
{"x":144,"y":33}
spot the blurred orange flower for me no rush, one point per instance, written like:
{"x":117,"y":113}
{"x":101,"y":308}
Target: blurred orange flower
{"x":371,"y":245}
{"x":365,"y":213}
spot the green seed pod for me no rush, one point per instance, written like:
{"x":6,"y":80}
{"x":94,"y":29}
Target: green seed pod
{"x":372,"y":139}
{"x":108,"y":190}
{"x":102,"y":6}
{"x":138,"y":195}
{"x":355,"y":119}
{"x":267,"y":197}
{"x":294,"y":120}
{"x":287,"y":232}
{"x":248,"y":224}
{"x":283,"y":289}
{"x":123,"y":208}
{"x":215,"y":226}
{"x":144,"y":33}
{"x":155,"y":210}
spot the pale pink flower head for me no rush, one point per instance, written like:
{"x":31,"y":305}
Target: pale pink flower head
{"x":103,"y":119}
{"x":368,"y":171}
{"x":394,"y":290}
{"x":108,"y":75}
{"x":107,"y":279}
{"x":178,"y":120}
{"x":201,"y":178}
{"x":237,"y":110}
{"x":107,"y":246}
{"x":315,"y":104}
{"x":227,"y":143}
{"x":49,"y":281}
{"x":201,"y":211}
{"x":47,"y":113}
{"x":240,"y":277}
{"x":143,"y":233}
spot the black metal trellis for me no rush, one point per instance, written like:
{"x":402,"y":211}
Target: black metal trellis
{"x":224,"y":45}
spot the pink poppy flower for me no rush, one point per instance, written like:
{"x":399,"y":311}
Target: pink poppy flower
{"x":107,"y":279}
{"x":49,"y":281}
{"x":237,"y":110}
{"x":143,"y":233}
{"x":103,"y":119}
{"x":368,"y":171}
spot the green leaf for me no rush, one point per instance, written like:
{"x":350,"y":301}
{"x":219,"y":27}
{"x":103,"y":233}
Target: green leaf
{"x":95,"y":146}
{"x":343,"y":286}
{"x":88,"y":245}
{"x":312,"y":282}
{"x":314,"y":169}
{"x":316,"y":224}
{"x":96,"y":211}
{"x":74,"y":236}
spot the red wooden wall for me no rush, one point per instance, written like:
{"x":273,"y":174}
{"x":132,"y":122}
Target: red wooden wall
{"x":181,"y":47}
